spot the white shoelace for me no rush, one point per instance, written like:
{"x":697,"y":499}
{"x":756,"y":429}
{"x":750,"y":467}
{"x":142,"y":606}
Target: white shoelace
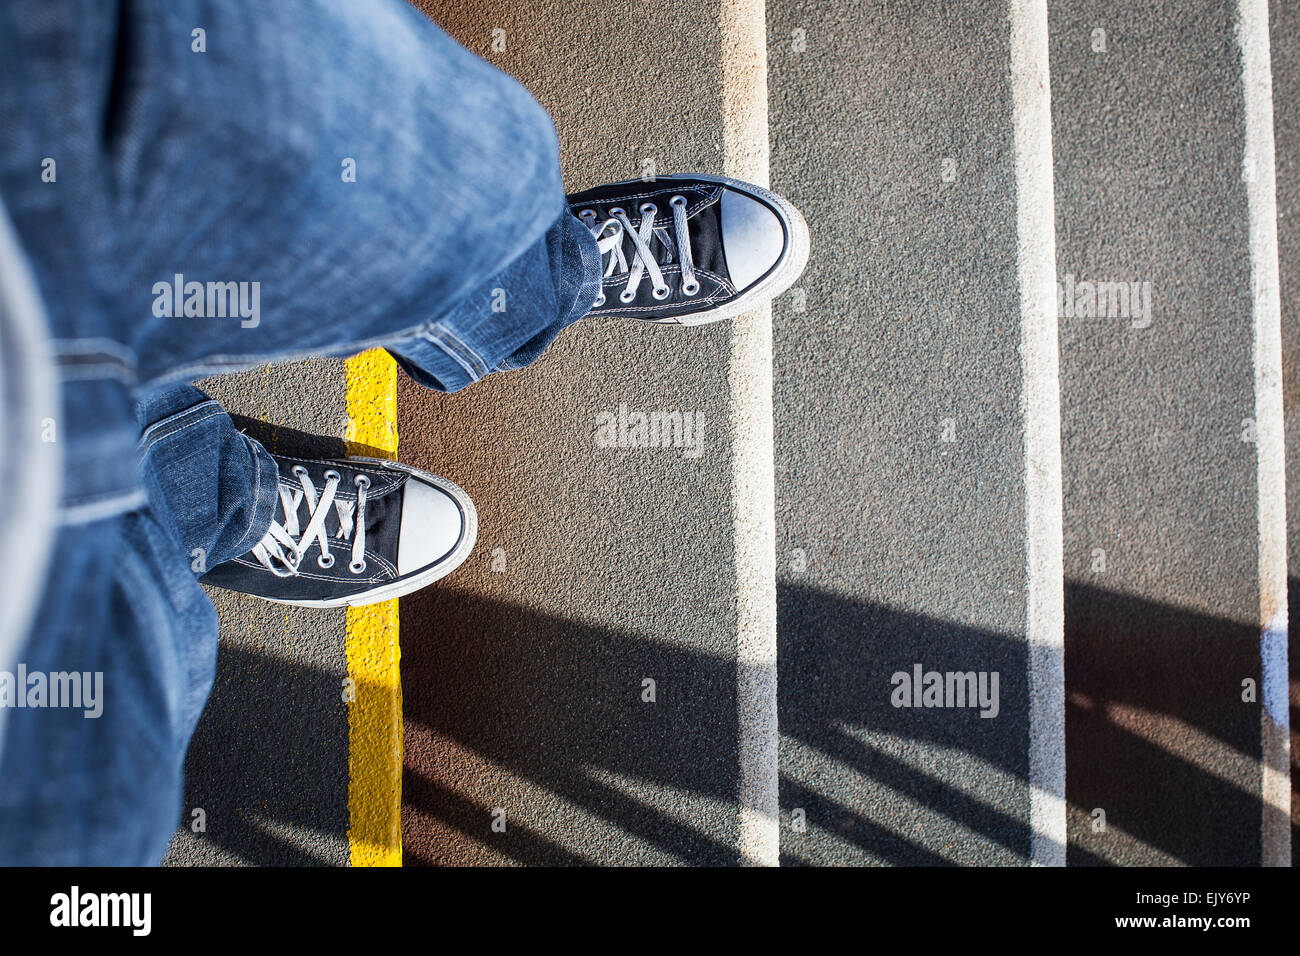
{"x":271,"y":550}
{"x":609,"y":237}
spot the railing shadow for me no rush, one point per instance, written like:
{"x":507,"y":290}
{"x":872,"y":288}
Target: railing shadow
{"x":1158,"y":736}
{"x":544,"y":701}
{"x":504,"y":701}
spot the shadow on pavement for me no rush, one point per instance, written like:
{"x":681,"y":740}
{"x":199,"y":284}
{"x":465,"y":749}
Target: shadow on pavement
{"x":269,"y":765}
{"x":550,"y":709}
{"x":504,"y":704}
{"x":1158,"y":734}
{"x":844,"y":744}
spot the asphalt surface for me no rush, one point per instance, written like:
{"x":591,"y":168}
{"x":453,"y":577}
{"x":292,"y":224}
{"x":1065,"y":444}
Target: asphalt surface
{"x":899,"y":476}
{"x":1148,"y":140}
{"x":899,"y":438}
{"x":524,"y":687}
{"x":269,"y":760}
{"x":1285,"y":40}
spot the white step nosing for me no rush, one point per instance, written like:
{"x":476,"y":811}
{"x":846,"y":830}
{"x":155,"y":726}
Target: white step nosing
{"x":1040,"y":406}
{"x":743,"y":31}
{"x":1259,"y":173}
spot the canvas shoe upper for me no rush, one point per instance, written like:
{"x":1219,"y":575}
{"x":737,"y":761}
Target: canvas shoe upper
{"x":690,"y":249}
{"x":353,"y":531}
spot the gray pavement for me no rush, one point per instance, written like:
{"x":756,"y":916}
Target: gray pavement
{"x":1160,"y":490}
{"x":899,"y":437}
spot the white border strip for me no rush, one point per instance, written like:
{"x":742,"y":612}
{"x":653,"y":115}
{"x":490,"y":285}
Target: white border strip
{"x":1041,"y":412}
{"x":1259,"y":173}
{"x":749,"y":375}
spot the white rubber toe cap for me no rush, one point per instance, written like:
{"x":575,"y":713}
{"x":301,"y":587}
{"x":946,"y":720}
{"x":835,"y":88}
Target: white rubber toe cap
{"x":431,"y":526}
{"x":752,"y":238}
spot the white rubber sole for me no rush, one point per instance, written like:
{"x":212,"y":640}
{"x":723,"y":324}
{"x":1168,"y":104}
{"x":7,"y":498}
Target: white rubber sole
{"x":788,"y":268}
{"x":440,"y":569}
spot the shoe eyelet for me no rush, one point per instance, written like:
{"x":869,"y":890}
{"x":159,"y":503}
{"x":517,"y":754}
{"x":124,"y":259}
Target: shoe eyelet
{"x":661,"y":293}
{"x":587,"y":214}
{"x":649,"y":209}
{"x":690,"y":288}
{"x":357,"y":567}
{"x":361,"y":481}
{"x":298,"y":471}
{"x":320,"y":560}
{"x":626,"y":296}
{"x":331,"y":473}
{"x":616,"y":211}
{"x":599,"y":302}
{"x":677,"y":201}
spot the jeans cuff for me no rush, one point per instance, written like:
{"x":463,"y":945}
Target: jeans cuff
{"x":170,"y":475}
{"x":558,"y":280}
{"x":266,"y":496}
{"x":592,"y":275}
{"x":582,"y":295}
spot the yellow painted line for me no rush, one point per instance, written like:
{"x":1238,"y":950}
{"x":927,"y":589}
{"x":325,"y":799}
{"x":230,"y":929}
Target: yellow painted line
{"x":375,"y":712}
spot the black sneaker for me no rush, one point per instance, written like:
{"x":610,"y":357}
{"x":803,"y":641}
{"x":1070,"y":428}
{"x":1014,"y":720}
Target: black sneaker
{"x":690,"y":249}
{"x":354,"y":531}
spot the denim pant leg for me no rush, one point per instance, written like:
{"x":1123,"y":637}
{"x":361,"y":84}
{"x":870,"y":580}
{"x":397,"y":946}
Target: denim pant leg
{"x":101,"y":783}
{"x":113,"y":685}
{"x":305,"y":178}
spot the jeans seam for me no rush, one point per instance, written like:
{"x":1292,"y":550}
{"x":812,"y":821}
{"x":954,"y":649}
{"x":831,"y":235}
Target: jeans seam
{"x":97,"y":507}
{"x":431,"y":335}
{"x":224,"y":363}
{"x":94,"y":345}
{"x":470,"y":355}
{"x":150,"y":438}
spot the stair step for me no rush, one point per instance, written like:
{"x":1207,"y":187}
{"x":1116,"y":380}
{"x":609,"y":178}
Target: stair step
{"x":903,"y":498}
{"x":1170,"y":437}
{"x":596,"y":569}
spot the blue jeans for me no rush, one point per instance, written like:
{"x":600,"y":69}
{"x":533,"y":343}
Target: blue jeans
{"x":346,"y":176}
